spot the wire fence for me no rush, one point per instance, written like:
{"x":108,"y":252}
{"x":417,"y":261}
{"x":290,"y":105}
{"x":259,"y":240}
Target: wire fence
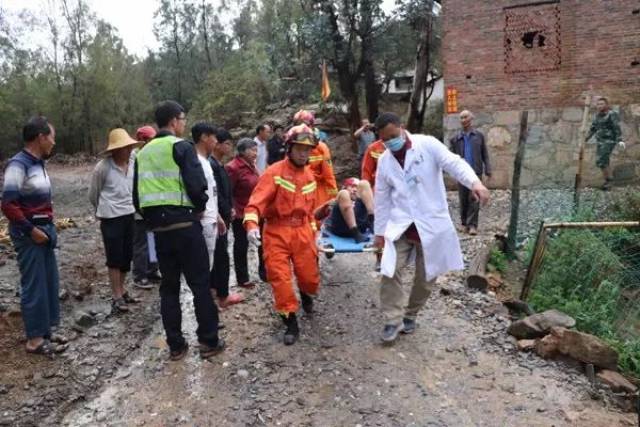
{"x":593,"y":275}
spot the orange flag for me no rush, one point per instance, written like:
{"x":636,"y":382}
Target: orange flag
{"x":325,"y":90}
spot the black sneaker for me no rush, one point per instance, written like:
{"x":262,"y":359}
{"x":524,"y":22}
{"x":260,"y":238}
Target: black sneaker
{"x":607,"y":185}
{"x":154,"y":277}
{"x":292,"y":331}
{"x":119,"y":306}
{"x":208,"y":351}
{"x":142,"y":284}
{"x":409,"y":326}
{"x":307,"y":302}
{"x":357,"y":235}
{"x":390,"y":333}
{"x":176,"y":355}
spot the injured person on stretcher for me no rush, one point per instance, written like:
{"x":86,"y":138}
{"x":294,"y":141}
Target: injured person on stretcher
{"x":350,"y":214}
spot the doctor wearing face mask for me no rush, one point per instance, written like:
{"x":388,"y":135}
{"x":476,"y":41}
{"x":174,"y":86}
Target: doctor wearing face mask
{"x":412,"y":214}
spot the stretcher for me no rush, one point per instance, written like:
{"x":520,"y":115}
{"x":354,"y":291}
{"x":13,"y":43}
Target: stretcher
{"x":330,"y":244}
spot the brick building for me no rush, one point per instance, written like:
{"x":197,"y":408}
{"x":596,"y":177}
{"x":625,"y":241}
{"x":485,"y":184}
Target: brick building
{"x":504,"y":56}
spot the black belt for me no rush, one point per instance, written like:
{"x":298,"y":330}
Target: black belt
{"x":41,"y":221}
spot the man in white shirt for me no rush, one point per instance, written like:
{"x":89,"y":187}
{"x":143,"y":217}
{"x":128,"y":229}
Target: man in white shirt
{"x":412,"y":214}
{"x":263,"y":133}
{"x":204,"y":138}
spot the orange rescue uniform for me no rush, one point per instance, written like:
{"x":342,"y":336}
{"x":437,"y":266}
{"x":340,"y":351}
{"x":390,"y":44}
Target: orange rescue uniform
{"x":370,"y":161}
{"x":285,"y":198}
{"x":322,"y":168}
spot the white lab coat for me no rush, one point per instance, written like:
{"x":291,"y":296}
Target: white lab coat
{"x":416,"y":194}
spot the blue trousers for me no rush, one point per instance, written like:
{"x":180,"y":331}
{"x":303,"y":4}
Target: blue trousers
{"x":39,"y":282}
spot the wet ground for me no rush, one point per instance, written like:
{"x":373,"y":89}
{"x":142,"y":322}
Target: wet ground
{"x":458,"y":369}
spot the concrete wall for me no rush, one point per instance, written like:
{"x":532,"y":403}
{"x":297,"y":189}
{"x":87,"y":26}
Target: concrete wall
{"x":552,"y":146}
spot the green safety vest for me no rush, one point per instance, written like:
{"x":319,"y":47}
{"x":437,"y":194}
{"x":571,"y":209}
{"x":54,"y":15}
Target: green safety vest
{"x":159,"y":180}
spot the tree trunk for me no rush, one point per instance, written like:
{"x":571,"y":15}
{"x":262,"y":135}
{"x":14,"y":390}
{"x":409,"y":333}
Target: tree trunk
{"x":515,"y":187}
{"x":477,"y":278}
{"x":371,"y":91}
{"x":205,"y":35}
{"x":417,"y":101}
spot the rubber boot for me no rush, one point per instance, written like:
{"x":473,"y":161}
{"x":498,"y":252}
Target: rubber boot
{"x":292,"y":331}
{"x":307,"y":302}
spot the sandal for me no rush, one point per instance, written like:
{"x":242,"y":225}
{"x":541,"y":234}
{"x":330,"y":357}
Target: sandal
{"x":119,"y":306}
{"x":58,"y":348}
{"x":233,"y":298}
{"x":129,"y":299}
{"x":57,"y":338}
{"x":44,"y":349}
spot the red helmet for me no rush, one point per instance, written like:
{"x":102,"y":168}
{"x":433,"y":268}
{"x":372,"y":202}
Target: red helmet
{"x":304,"y":116}
{"x":301,"y":134}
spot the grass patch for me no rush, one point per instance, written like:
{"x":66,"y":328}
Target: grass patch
{"x":498,"y":260}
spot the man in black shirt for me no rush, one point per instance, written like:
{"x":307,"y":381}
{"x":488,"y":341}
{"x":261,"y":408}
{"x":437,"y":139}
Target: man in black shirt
{"x":219,"y":278}
{"x":275,"y":146}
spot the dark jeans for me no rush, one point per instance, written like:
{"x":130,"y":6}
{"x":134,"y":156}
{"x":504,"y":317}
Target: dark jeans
{"x":39,"y":281}
{"x":469,"y":207}
{"x":142,"y":266}
{"x":219,"y":278}
{"x":184,"y":251}
{"x":240,"y":248}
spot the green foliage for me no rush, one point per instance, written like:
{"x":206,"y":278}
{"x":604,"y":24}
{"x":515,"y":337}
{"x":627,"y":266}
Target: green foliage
{"x":498,"y":260}
{"x":594,"y":276}
{"x":244,"y":84}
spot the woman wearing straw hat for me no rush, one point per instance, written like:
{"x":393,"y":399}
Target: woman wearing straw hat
{"x":111,"y":196}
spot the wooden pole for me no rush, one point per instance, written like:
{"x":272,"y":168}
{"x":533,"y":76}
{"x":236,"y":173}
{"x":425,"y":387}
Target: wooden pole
{"x":515,"y":187}
{"x":625,"y":224}
{"x":581,"y":136}
{"x":535,"y":262}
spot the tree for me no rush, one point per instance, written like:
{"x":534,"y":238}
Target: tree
{"x":423,"y":17}
{"x":349,"y":28}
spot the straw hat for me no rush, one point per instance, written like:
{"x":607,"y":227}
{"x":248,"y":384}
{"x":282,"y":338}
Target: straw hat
{"x":119,"y":138}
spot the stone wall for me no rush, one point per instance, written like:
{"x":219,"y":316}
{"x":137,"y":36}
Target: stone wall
{"x":552,"y":146}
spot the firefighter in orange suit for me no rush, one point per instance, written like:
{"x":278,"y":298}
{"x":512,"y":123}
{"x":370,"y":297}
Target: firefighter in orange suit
{"x":285,"y":198}
{"x":370,"y":161}
{"x":319,"y":161}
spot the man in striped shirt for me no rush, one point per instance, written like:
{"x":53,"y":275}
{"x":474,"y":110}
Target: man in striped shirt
{"x":26,"y":202}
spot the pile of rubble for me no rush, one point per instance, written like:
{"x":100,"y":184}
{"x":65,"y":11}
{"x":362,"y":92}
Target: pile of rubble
{"x":550,"y":335}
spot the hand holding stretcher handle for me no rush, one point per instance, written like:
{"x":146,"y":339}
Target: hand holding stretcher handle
{"x":254,"y":237}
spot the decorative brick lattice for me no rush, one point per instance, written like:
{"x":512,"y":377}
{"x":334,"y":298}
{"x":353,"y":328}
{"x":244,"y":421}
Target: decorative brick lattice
{"x":532,"y":38}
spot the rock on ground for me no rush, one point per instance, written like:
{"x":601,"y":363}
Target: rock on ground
{"x":540,"y":324}
{"x":579,"y":346}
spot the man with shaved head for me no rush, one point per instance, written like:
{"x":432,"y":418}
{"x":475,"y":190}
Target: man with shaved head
{"x":470,"y":144}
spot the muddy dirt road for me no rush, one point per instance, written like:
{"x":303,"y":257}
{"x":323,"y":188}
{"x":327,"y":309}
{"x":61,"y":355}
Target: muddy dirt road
{"x":458,"y":369}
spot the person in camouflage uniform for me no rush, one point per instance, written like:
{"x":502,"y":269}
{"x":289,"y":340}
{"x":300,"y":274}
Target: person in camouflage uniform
{"x":606,"y":128}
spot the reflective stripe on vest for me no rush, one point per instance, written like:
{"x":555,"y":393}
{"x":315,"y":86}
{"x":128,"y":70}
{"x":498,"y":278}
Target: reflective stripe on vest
{"x":159,"y":180}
